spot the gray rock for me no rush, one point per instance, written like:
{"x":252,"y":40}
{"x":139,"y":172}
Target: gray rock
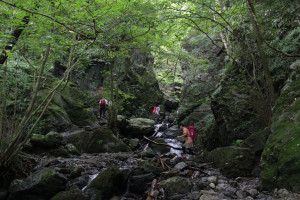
{"x":194,"y":195}
{"x":212,"y":185}
{"x":176,"y":185}
{"x":212,"y":179}
{"x":180,"y":166}
{"x":210,"y":197}
{"x":252,"y":192}
{"x":138,"y":184}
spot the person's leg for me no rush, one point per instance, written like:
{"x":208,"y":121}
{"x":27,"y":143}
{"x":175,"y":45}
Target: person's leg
{"x":101,"y":113}
{"x":190,"y":151}
{"x":104,"y":110}
{"x":184,"y":152}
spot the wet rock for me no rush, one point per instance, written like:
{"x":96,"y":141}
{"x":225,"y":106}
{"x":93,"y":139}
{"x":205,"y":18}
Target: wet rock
{"x":38,"y":140}
{"x":109,"y":182}
{"x":180,"y":166}
{"x":283,"y":193}
{"x":176,"y":197}
{"x":160,"y":149}
{"x":42,"y":184}
{"x":233,"y":161}
{"x":138,"y":184}
{"x":79,"y":182}
{"x":176,"y":185}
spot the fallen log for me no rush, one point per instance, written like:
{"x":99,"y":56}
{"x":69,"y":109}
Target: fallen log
{"x":153,"y":193}
{"x":178,"y":148}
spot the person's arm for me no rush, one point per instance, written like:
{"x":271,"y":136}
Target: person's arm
{"x":184,"y":134}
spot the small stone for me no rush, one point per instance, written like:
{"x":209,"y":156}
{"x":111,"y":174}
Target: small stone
{"x":283,"y":193}
{"x":180,"y":166}
{"x":212,"y":179}
{"x":212,"y":185}
{"x":252,"y":192}
{"x":240,"y":194}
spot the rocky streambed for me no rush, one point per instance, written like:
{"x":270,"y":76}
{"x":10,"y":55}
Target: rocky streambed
{"x":147,"y":171}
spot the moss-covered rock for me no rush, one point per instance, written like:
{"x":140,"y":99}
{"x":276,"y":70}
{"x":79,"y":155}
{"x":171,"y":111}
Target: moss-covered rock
{"x":138,"y":127}
{"x":281,"y":160}
{"x":177,"y":185}
{"x":233,"y":161}
{"x":74,"y":194}
{"x":97,"y":141}
{"x":111,"y":181}
{"x":53,"y":139}
{"x":42,"y":184}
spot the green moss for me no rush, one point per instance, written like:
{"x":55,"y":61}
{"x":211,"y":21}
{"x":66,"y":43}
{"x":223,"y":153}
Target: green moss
{"x":281,"y":159}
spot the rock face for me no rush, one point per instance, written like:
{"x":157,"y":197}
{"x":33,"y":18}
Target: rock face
{"x":69,"y":108}
{"x":233,"y":110}
{"x":281,"y":160}
{"x":96,"y":141}
{"x":233,"y":161}
{"x":41,"y":185}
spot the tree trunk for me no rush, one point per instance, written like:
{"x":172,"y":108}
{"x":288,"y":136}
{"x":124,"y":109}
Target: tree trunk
{"x":268,"y":81}
{"x":3,"y":101}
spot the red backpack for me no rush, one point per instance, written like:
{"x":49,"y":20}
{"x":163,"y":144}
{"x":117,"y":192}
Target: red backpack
{"x":154,"y":110}
{"x":102,"y":103}
{"x":193,"y":133}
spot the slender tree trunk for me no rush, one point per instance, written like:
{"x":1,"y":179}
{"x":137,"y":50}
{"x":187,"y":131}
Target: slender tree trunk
{"x":268,"y":81}
{"x":3,"y":101}
{"x":28,"y":113}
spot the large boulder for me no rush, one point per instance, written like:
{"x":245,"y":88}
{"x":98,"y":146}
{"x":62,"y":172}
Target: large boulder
{"x":99,"y":140}
{"x":177,"y":185}
{"x":280,"y":159}
{"x":138,"y":127}
{"x":41,"y":185}
{"x":233,"y":161}
{"x":111,"y":181}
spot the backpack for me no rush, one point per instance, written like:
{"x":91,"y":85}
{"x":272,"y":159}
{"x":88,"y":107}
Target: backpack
{"x":102,"y":103}
{"x":192,"y":131}
{"x":154,"y":110}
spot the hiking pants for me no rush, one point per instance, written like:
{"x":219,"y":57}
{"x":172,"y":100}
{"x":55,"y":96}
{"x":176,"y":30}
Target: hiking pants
{"x":190,"y":151}
{"x":102,"y":112}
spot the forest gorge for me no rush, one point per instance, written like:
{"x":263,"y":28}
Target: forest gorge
{"x":231,"y":68}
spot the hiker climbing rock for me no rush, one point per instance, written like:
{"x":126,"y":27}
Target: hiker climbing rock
{"x":156,"y":113}
{"x":188,"y":141}
{"x":102,"y":108}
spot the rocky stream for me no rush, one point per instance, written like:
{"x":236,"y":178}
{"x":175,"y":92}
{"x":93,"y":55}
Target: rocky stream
{"x":150,"y":171}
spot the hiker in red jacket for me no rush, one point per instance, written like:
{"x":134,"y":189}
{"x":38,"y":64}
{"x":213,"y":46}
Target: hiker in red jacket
{"x":102,"y":108}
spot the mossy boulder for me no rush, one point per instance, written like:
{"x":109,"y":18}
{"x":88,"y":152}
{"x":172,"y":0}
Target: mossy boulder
{"x":160,"y":149}
{"x":138,"y":127}
{"x":233,"y":161}
{"x":73,"y":194}
{"x":99,"y":140}
{"x":177,"y":185}
{"x":256,"y":142}
{"x":109,"y":182}
{"x":280,"y":159}
{"x":42,"y":185}
{"x":53,"y":139}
